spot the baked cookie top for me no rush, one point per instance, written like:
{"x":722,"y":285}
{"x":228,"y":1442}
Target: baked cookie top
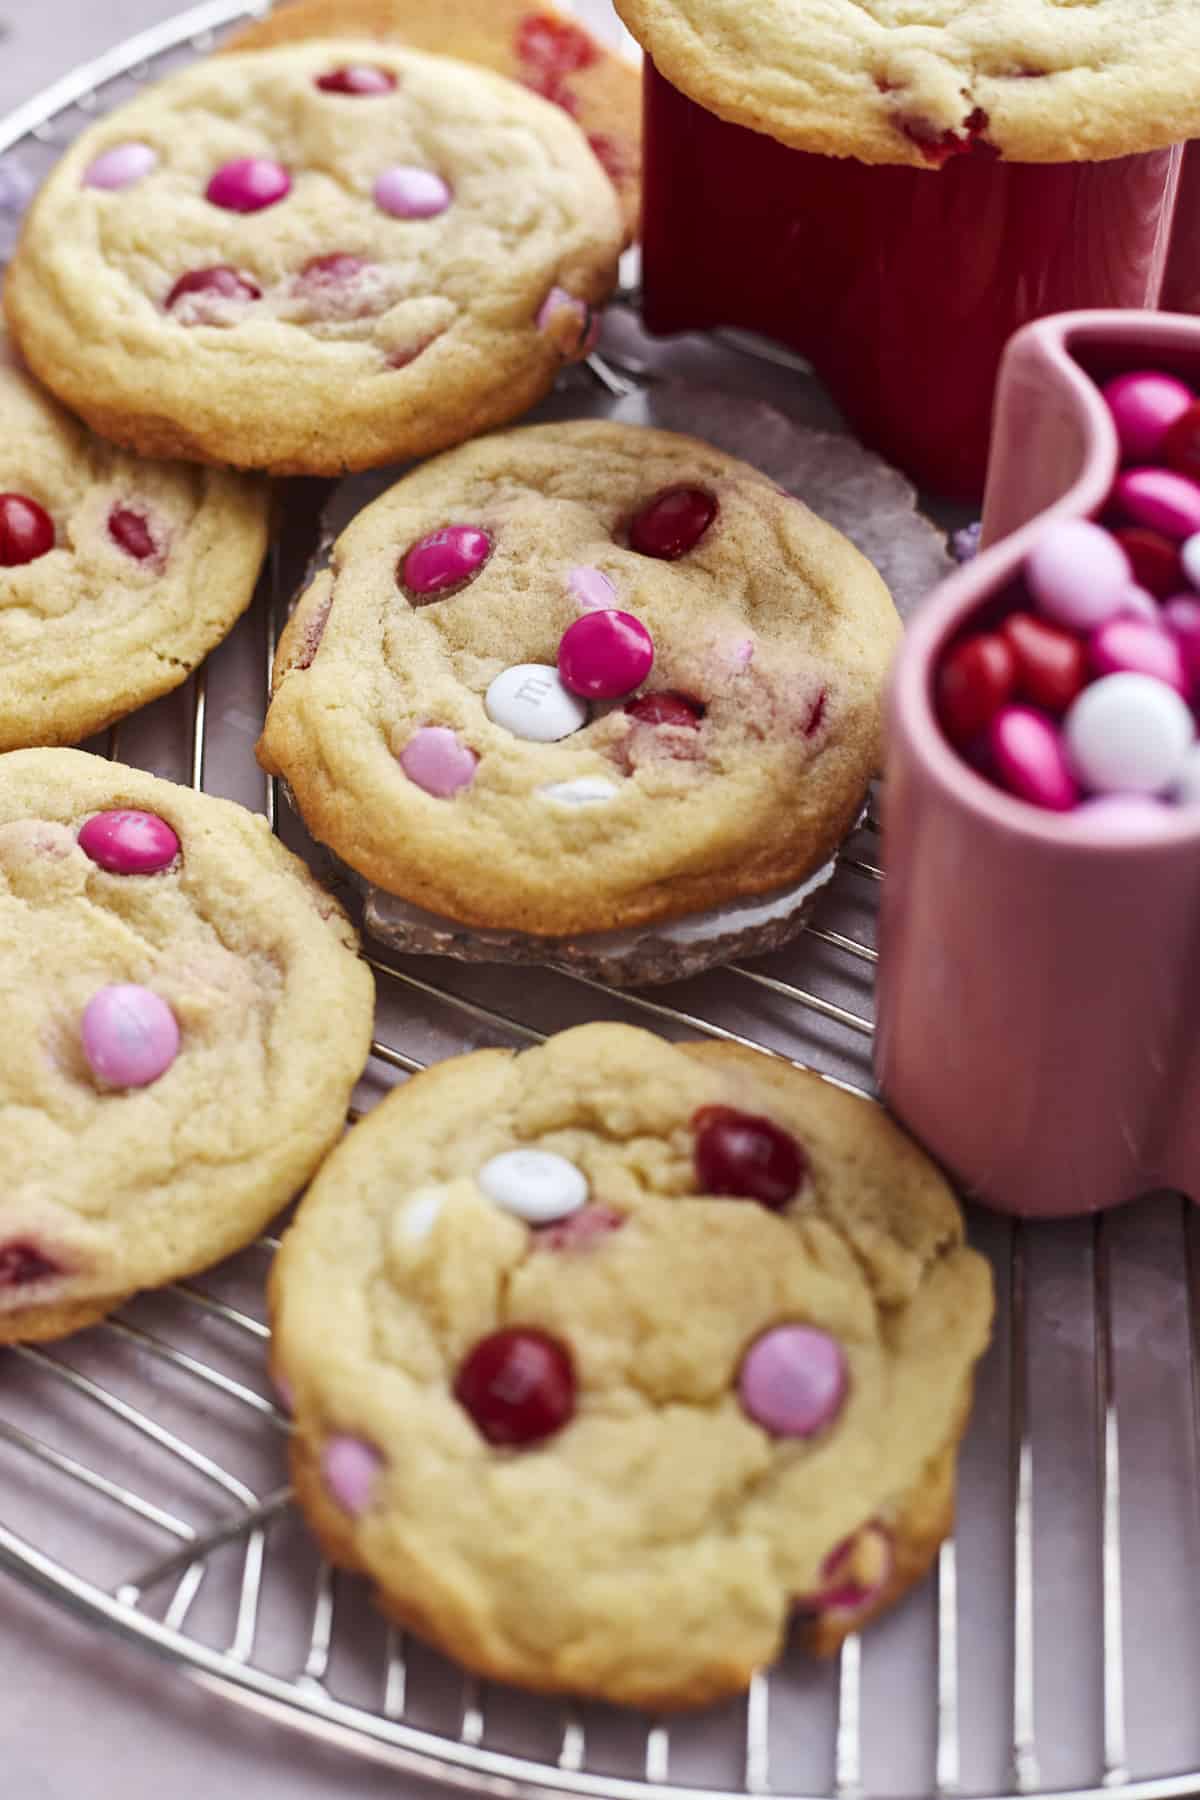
{"x":117,"y":576}
{"x":917,"y":81}
{"x":185,"y":1017}
{"x":605,"y":1356}
{"x":320,"y":257}
{"x":581,"y":676}
{"x":535,"y":45}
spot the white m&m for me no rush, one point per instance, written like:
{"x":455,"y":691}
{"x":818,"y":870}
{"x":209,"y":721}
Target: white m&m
{"x":533,"y":702}
{"x":1129,"y":734}
{"x":538,"y":1186}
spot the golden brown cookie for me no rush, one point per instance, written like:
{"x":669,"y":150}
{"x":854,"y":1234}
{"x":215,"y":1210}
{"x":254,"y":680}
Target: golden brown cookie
{"x":583,"y":676}
{"x":186,"y":1015}
{"x":536,"y":45}
{"x":117,"y":575}
{"x":321,"y":257}
{"x":607,"y":1358}
{"x":887,"y":81}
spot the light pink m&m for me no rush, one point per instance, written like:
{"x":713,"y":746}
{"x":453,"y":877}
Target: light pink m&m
{"x":407,"y":192}
{"x":1029,"y":759}
{"x":130,"y":1036}
{"x":570,"y":322}
{"x":121,"y":166}
{"x":592,"y":589}
{"x":1078,"y":574}
{"x":1136,"y":644}
{"x":445,"y":559}
{"x":125,"y":842}
{"x":1159,"y":499}
{"x":605,"y":654}
{"x":435,"y":760}
{"x":1144,"y":405}
{"x":350,"y":1468}
{"x":249,"y":184}
{"x":793,"y":1381}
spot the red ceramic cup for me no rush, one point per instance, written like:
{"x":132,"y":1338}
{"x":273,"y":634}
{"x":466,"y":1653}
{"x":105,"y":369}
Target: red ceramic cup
{"x":901,"y":285}
{"x":1037,"y":995}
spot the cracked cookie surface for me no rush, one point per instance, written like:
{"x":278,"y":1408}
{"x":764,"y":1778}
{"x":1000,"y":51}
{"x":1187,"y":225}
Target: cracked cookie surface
{"x":538,"y":46}
{"x":186,"y":1016}
{"x":406,"y":718}
{"x":916,"y":81}
{"x":314,"y":258}
{"x":125,"y":575}
{"x":596,"y":1393}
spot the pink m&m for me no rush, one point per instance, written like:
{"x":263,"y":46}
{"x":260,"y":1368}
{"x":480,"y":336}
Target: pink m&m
{"x":125,"y":842}
{"x":1160,"y":499}
{"x":249,"y":184}
{"x":1078,"y":574}
{"x":350,"y":1469}
{"x":1137,"y":644}
{"x":605,"y":654}
{"x":445,"y":559}
{"x":1144,"y":405}
{"x":1029,"y":759}
{"x":793,"y":1381}
{"x":435,"y":760}
{"x":130,"y":1036}
{"x":570,"y":322}
{"x":121,"y":166}
{"x":407,"y":192}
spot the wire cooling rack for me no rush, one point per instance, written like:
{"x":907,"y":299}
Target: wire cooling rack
{"x":1057,"y":1648}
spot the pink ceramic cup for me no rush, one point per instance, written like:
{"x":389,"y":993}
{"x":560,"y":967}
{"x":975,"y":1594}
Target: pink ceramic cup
{"x":1037,"y":979}
{"x":901,"y":285}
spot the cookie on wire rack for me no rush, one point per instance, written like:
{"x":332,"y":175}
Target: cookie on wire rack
{"x":186,"y":1017}
{"x":609,"y":1357}
{"x":322,"y":257}
{"x":117,"y":575}
{"x":580,"y":677}
{"x":539,"y":46}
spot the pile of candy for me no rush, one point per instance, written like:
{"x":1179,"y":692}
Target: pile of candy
{"x":1083,"y":696}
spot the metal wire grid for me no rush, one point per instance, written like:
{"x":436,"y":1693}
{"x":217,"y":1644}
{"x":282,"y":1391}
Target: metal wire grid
{"x":199,"y":1361}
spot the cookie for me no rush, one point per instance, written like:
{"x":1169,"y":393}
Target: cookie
{"x":583,"y":676}
{"x":608,"y":1357}
{"x":888,"y":82}
{"x":145,"y":564}
{"x":322,"y":257}
{"x":186,"y":1016}
{"x":535,"y":45}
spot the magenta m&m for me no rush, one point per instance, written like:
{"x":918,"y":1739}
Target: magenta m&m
{"x":249,"y":184}
{"x":127,"y":842}
{"x":605,"y":655}
{"x":1144,"y":405}
{"x":446,"y":559}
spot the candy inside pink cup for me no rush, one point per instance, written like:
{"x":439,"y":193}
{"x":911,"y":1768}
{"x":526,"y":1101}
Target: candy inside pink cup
{"x":1033,"y":1030}
{"x":902,"y":285}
